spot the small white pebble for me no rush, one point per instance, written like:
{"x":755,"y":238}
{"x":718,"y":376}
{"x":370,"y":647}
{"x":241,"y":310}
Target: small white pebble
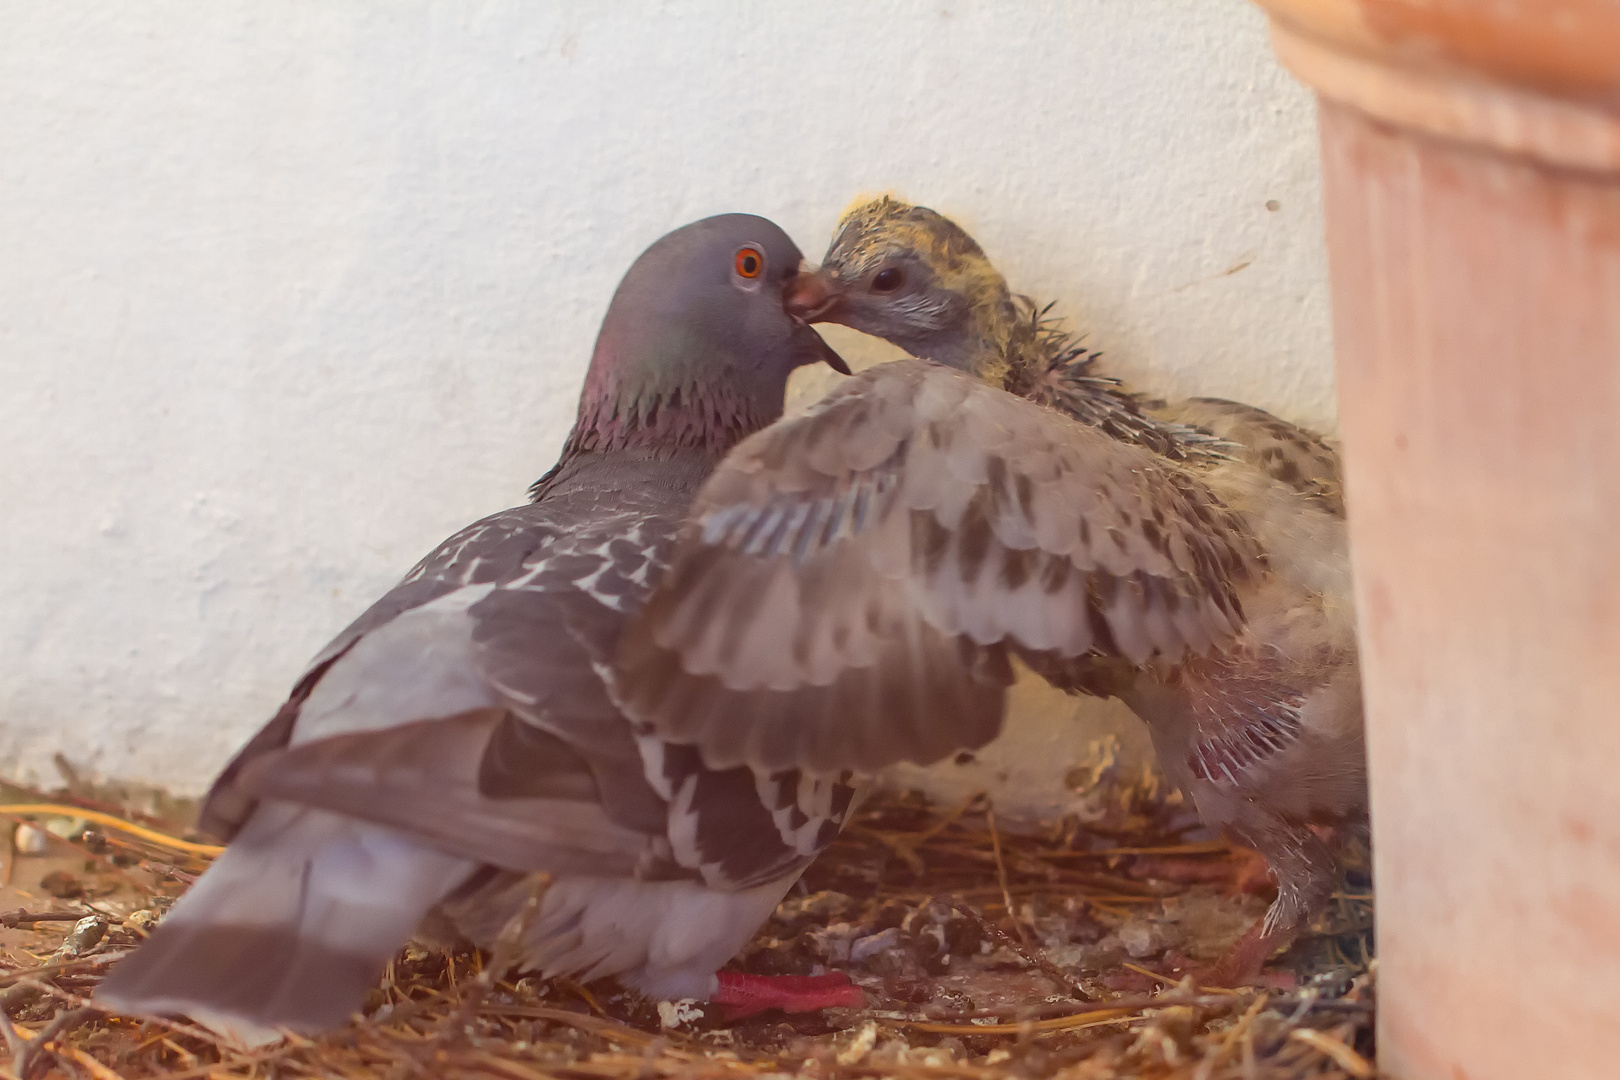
{"x":675,"y":1013}
{"x":143,"y":919}
{"x":860,"y":1046}
{"x":862,"y":948}
{"x":29,"y":840}
{"x":997,"y":1056}
{"x":1138,"y":939}
{"x":65,"y":827}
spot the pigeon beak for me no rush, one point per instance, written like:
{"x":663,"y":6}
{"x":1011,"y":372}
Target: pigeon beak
{"x":807,"y":297}
{"x":811,"y":295}
{"x":826,"y":354}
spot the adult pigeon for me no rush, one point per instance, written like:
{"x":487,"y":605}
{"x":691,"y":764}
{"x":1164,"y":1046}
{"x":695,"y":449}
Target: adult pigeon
{"x":455,"y":751}
{"x":1206,"y":583}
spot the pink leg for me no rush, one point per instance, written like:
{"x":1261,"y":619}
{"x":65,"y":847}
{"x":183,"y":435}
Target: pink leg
{"x":743,"y":995}
{"x":1241,"y":966}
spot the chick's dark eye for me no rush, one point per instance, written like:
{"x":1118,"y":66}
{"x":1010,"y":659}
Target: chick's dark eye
{"x":887,"y":280}
{"x":750,"y":263}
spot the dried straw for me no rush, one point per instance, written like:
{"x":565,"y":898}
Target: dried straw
{"x":985,"y":954}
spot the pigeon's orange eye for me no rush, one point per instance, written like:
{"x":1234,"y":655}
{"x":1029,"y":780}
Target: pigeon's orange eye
{"x":750,"y":262}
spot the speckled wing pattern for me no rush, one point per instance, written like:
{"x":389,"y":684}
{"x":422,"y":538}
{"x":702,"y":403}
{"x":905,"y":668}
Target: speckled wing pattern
{"x":480,"y":554}
{"x":854,"y":578}
{"x":1247,"y":705}
{"x":1289,"y":454}
{"x":546,"y":773}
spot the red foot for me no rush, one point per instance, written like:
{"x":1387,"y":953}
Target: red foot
{"x":1241,"y":966}
{"x":744,"y":995}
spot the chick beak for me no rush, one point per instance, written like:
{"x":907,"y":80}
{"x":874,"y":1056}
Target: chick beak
{"x":811,"y":295}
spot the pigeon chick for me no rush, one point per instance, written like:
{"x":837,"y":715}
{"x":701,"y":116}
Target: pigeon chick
{"x":1266,"y":735}
{"x":1264,"y":729}
{"x":455,"y":751}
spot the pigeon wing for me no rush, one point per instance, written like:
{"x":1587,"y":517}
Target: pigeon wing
{"x":1299,"y":459}
{"x":481,"y":554}
{"x":851,"y":580}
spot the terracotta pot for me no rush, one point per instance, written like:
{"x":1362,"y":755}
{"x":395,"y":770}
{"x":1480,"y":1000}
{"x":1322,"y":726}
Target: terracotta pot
{"x":1471,"y":173}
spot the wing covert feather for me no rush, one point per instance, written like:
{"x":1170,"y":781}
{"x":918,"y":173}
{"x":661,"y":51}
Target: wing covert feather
{"x":1288,"y":453}
{"x":898,"y":536}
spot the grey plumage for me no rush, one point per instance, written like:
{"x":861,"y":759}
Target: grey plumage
{"x":1298,"y":459}
{"x":458,"y":737}
{"x":1266,"y":731}
{"x":858,"y":640}
{"x":1209,"y":587}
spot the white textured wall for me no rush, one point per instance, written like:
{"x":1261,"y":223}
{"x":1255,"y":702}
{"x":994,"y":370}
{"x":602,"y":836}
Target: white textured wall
{"x":290,"y":290}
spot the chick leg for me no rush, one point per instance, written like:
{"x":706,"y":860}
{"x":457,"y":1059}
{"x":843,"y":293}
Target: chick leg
{"x":1306,"y":875}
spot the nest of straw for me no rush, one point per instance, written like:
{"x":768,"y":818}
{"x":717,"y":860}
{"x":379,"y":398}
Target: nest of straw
{"x":1061,"y":952}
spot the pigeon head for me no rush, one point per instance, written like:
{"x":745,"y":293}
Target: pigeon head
{"x":697,"y":344}
{"x":913,"y":277}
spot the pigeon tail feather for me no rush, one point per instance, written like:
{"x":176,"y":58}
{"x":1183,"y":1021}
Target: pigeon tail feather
{"x":289,"y":928}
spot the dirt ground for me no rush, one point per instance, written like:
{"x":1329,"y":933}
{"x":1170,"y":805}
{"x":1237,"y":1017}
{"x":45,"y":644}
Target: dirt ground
{"x":982,"y":954}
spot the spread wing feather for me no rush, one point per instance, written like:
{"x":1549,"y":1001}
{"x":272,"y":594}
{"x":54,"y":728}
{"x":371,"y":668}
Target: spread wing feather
{"x":876,"y":556}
